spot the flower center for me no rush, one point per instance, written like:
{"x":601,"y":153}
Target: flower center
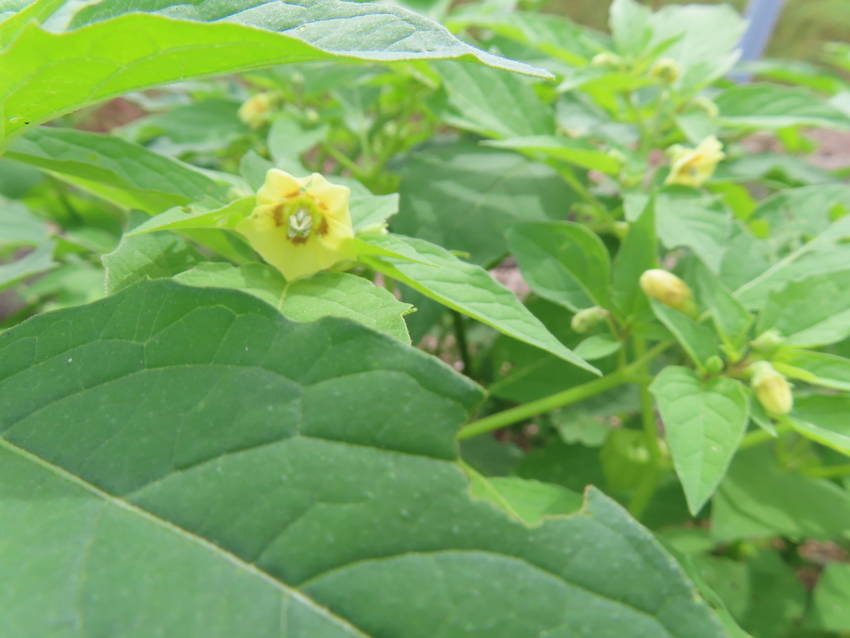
{"x":300,"y":225}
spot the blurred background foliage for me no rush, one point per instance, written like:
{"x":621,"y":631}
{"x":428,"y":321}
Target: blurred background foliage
{"x":802,"y":29}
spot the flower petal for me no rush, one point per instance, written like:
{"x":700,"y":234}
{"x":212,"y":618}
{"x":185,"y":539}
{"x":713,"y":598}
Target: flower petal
{"x":278,"y":187}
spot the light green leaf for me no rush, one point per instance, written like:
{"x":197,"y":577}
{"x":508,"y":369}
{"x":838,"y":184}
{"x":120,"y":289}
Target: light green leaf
{"x":637,"y":253}
{"x":704,"y":421}
{"x":553,"y":35}
{"x":326,"y":294}
{"x":527,"y":500}
{"x":823,"y":418}
{"x":221,"y":452}
{"x":574,"y":151}
{"x":701,"y":38}
{"x":202,"y":126}
{"x":810,"y":312}
{"x":697,"y":340}
{"x":687,"y":217}
{"x":197,"y":216}
{"x":759,"y":498}
{"x":817,"y":368}
{"x":19,"y":227}
{"x":826,"y":253}
{"x":119,"y":171}
{"x":466,"y":288}
{"x":37,"y":261}
{"x":831,"y":594}
{"x":492,"y":102}
{"x":83,"y":55}
{"x":772,"y":106}
{"x":803,"y":211}
{"x":562,"y":262}
{"x":153,"y":256}
{"x":731,"y":319}
{"x":630,"y":25}
{"x":464,"y":197}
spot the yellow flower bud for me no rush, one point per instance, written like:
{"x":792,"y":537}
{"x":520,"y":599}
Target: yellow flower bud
{"x":772,"y":389}
{"x":666,"y":70}
{"x":585,"y":320}
{"x":610,"y":60}
{"x":667,"y":288}
{"x":300,"y":226}
{"x":693,"y":167}
{"x":257,"y":109}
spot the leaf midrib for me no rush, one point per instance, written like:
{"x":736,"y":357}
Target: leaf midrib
{"x":175,"y":529}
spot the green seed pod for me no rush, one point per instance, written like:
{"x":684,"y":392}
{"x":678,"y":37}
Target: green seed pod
{"x":714,"y":365}
{"x":667,"y":288}
{"x":772,"y":389}
{"x":586,"y":320}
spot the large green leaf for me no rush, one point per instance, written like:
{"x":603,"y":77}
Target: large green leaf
{"x":120,"y":171}
{"x":630,"y":26}
{"x":19,"y":227}
{"x":760,"y":498}
{"x":823,"y":418}
{"x":493,"y":103}
{"x":695,"y":338}
{"x":186,"y":461}
{"x":563,"y":262}
{"x":687,"y":217}
{"x":637,"y":254}
{"x":81,"y":55}
{"x":774,"y":106}
{"x":810,"y":312}
{"x":704,"y":422}
{"x":467,"y":288}
{"x":465,"y":197}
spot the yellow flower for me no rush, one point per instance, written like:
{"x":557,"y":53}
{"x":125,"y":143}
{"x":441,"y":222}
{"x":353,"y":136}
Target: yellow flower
{"x":300,"y":226}
{"x":693,"y":166}
{"x":256,"y":110}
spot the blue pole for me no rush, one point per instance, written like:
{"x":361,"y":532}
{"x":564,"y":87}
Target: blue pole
{"x":761,"y":16}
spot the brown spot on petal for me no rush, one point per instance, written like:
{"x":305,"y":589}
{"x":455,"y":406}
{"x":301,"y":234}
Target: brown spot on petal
{"x":277,"y":214}
{"x":298,"y":240}
{"x":323,"y":227}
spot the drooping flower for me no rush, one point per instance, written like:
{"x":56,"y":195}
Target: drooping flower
{"x":693,"y":166}
{"x":256,"y":110}
{"x":300,"y":226}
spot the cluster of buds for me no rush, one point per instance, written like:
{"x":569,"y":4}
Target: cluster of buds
{"x":666,"y":288}
{"x":772,"y":388}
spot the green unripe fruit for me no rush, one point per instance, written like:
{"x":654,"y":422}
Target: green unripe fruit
{"x":714,"y":365}
{"x":586,"y":320}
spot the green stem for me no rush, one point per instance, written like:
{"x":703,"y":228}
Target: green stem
{"x":342,"y":159}
{"x":462,"y":344}
{"x":649,"y":482}
{"x":834,"y":471}
{"x":757,"y":437}
{"x":557,"y":400}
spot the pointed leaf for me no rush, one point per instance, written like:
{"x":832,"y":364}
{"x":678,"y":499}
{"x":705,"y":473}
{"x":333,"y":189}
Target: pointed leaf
{"x":563,"y":262}
{"x":466,"y":288}
{"x":704,"y":422}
